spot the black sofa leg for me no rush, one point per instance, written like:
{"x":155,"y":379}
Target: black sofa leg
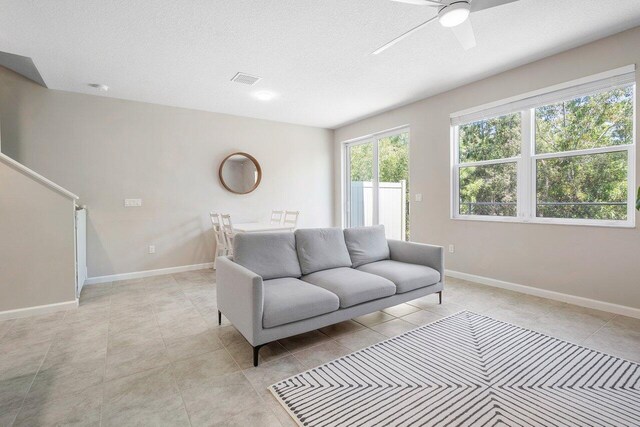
{"x":256,"y":350}
{"x":219,"y":317}
{"x":440,"y":297}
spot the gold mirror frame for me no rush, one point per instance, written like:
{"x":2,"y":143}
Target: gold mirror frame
{"x":256,"y":164}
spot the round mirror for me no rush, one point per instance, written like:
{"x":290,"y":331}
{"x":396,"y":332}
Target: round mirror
{"x":240,"y":173}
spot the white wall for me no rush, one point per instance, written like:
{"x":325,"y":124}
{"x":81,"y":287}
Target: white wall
{"x":592,"y":262}
{"x":37,"y":248}
{"x":106,"y":150}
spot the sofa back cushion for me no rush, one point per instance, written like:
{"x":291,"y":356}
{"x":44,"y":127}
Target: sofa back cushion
{"x":366,"y":244}
{"x":270,"y":255}
{"x":321,"y":249}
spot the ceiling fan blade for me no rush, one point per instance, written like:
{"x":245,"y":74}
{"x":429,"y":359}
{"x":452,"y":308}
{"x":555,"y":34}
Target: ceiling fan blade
{"x":464,"y":34}
{"x":402,"y":37}
{"x":477,"y":5}
{"x":435,"y":3}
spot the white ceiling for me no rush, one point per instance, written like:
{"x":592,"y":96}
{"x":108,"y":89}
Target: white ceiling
{"x":313,"y":53}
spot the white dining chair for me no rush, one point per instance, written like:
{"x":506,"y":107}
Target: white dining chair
{"x":227,"y":227}
{"x":291,"y":219}
{"x":276,"y":217}
{"x":221,"y":242}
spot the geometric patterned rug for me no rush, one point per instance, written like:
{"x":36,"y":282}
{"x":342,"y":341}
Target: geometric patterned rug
{"x":467,"y":370}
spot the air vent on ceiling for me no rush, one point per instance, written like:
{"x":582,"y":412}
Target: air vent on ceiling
{"x":246,"y":79}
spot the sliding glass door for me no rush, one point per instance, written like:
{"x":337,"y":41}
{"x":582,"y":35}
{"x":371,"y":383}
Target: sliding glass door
{"x":377,"y":182}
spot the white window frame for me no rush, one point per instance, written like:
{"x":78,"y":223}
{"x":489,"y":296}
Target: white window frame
{"x":346,"y":184}
{"x":527,"y":160}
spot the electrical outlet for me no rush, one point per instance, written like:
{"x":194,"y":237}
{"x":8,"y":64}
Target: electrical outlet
{"x":418,"y":197}
{"x":132,"y":203}
{"x":452,"y":249}
{"x":152,"y":249}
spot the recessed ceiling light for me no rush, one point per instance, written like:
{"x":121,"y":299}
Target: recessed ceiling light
{"x":100,"y":87}
{"x":264,"y":95}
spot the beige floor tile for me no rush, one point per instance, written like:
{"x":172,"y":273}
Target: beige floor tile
{"x":142,"y":318}
{"x":393,"y":327}
{"x":320,"y":354}
{"x":302,"y":341}
{"x":242,"y":353}
{"x":513,"y":315}
{"x":173,"y":303}
{"x":12,"y":393}
{"x":619,"y":337}
{"x":160,"y":338}
{"x":55,"y":409}
{"x":278,"y":410}
{"x":30,"y":331}
{"x":195,"y":278}
{"x":5,"y":325}
{"x":170,"y":313}
{"x":211,"y":317}
{"x":192,"y":345}
{"x":341,"y":328}
{"x":128,"y":360}
{"x":400,"y":310}
{"x":85,"y":318}
{"x":256,"y":416}
{"x":164,"y":281}
{"x":146,"y":333}
{"x":184,"y":328}
{"x":361,"y":339}
{"x":65,"y":378}
{"x":229,"y":335}
{"x":204,"y":368}
{"x":20,"y":360}
{"x":146,"y":398}
{"x":129,"y":283}
{"x":421,"y":317}
{"x":272,"y":372}
{"x":374,"y":318}
{"x":569,"y":324}
{"x":430,"y":303}
{"x":221,"y":399}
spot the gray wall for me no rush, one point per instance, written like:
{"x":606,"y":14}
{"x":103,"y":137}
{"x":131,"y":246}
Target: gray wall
{"x":106,"y":150}
{"x":36,"y":243}
{"x":592,"y":262}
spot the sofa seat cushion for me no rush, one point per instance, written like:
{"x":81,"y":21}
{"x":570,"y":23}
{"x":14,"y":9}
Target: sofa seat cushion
{"x":269,"y":255}
{"x":288,"y":300}
{"x":366,"y":244}
{"x":321,"y":249}
{"x":351,"y":286}
{"x":406,"y":277}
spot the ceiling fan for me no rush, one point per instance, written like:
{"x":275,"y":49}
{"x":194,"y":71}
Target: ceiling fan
{"x":452,"y":14}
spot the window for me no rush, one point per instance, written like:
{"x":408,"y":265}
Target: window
{"x":377,"y":182}
{"x":562,"y":156}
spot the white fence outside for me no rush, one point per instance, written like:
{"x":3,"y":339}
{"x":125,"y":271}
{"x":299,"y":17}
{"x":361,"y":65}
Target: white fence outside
{"x":392,"y":204}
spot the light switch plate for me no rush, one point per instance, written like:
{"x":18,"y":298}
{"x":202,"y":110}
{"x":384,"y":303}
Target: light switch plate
{"x":132,"y":203}
{"x":418,"y":197}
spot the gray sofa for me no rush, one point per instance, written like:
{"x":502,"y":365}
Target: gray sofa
{"x":283,"y":284}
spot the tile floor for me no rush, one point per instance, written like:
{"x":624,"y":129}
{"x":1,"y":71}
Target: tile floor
{"x":150,"y":352}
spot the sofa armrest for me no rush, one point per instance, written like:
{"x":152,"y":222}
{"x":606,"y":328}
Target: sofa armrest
{"x":240,"y":297}
{"x":418,"y":253}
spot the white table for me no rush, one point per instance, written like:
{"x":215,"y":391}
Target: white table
{"x":258,"y":227}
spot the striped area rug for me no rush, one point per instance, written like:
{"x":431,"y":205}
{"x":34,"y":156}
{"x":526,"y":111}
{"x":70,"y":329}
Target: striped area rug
{"x":467,"y":370}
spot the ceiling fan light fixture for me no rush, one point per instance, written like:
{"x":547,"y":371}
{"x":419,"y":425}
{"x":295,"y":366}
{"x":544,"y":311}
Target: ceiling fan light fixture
{"x":454,"y":14}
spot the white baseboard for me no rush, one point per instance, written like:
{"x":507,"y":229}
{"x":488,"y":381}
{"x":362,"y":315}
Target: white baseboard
{"x":543,"y":293}
{"x":38,"y":310}
{"x":146,"y":273}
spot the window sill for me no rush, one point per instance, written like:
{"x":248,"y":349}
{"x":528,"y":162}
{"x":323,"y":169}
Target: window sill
{"x":548,"y":221}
